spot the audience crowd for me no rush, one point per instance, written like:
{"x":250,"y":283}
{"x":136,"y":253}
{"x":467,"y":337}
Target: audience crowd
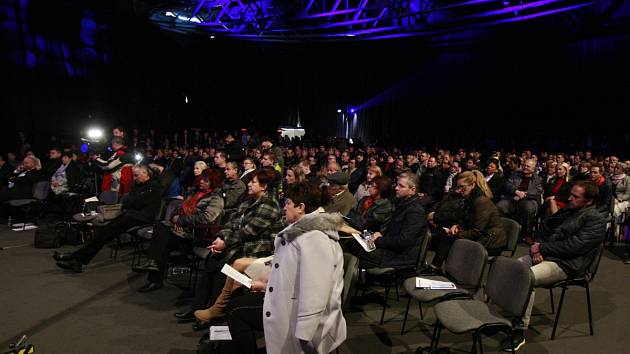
{"x":272,"y":207}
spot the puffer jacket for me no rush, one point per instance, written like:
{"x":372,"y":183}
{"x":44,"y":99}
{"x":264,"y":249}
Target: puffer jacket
{"x":572,"y":244}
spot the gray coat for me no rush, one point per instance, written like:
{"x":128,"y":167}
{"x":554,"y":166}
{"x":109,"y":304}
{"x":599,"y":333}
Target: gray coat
{"x":302,"y":308}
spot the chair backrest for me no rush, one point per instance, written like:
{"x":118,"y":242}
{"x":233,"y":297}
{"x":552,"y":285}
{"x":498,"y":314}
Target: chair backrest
{"x":510,"y":285}
{"x":108,"y":197}
{"x":592,"y":268}
{"x":466,"y":262}
{"x":350,"y":276}
{"x":424,"y":247}
{"x":40,"y":190}
{"x":512,"y":231}
{"x":171,"y":207}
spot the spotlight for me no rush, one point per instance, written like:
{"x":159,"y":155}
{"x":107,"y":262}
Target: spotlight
{"x":95,"y":133}
{"x":138,"y":157}
{"x":338,"y":111}
{"x":352,"y":110}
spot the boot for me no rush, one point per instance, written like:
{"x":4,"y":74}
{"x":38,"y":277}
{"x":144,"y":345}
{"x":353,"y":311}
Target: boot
{"x":218,"y":309}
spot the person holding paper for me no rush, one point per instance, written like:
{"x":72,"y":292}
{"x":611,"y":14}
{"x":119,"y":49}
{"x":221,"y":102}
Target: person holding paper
{"x":399,"y":245}
{"x":248,"y":233}
{"x":302,"y":306}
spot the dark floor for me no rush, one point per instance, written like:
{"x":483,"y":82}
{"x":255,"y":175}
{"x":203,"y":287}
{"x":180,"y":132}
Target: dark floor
{"x":100,"y":311}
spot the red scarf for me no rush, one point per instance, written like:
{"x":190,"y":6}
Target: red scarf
{"x":367,"y":203}
{"x":189,"y":206}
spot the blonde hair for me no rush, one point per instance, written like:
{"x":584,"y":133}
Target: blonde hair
{"x":566,"y":168}
{"x":476,"y":178}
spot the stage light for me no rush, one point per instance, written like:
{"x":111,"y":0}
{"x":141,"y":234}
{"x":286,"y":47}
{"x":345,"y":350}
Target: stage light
{"x":138,"y":157}
{"x":170,"y":14}
{"x":95,"y":133}
{"x":338,"y":111}
{"x":352,"y":110}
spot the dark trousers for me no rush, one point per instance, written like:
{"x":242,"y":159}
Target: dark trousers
{"x":162,"y":243}
{"x":245,"y":316}
{"x":367,"y":260}
{"x":210,"y":284}
{"x":524,"y":211}
{"x":104,"y":234}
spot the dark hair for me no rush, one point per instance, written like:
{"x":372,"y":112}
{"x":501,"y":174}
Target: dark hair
{"x":266,"y":176}
{"x":67,"y":154}
{"x":591,"y":191}
{"x":118,"y":140}
{"x":515,"y":160}
{"x":56,"y":148}
{"x":307,"y":193}
{"x":214,"y":178}
{"x":384,"y":186}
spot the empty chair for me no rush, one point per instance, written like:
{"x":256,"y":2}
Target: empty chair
{"x":464,"y":266}
{"x":509,"y":288}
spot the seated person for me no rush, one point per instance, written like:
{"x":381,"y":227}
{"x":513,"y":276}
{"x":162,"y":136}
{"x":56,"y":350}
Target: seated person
{"x":138,"y":208}
{"x":248,"y":233}
{"x":374,"y":211}
{"x":604,"y":201}
{"x":117,"y":173}
{"x":494,"y":178}
{"x":521,"y":197}
{"x":556,"y":193}
{"x":21,"y":181}
{"x":566,"y":246}
{"x":66,"y":177}
{"x":341,"y":201}
{"x":481,"y":221}
{"x":399,"y":245}
{"x":195,"y":216}
{"x":308,"y":247}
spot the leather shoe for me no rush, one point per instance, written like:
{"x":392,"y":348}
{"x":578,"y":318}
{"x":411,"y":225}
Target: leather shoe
{"x":71,"y":264}
{"x":62,"y":256}
{"x":150,"y":287}
{"x":201,"y":325}
{"x":185,"y":316}
{"x":150,"y":266}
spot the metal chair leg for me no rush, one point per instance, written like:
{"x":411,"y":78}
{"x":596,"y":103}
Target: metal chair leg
{"x":588,"y":302}
{"x":555,"y":325}
{"x":552,"y":302}
{"x":402,"y":330}
{"x":385,"y":304}
{"x":512,"y":342}
{"x":420,"y":307}
{"x":473,"y":350}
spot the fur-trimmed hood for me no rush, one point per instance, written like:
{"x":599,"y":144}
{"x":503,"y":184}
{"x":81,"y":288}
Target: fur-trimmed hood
{"x":318,"y":220}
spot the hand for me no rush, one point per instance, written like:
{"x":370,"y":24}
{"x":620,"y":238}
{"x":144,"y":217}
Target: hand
{"x":454,"y":230}
{"x":376,"y":236}
{"x":178,"y":230}
{"x":174,"y":219}
{"x":430,"y":219}
{"x":520,"y":194}
{"x":217,"y":246}
{"x":258,"y":286}
{"x":537,"y":258}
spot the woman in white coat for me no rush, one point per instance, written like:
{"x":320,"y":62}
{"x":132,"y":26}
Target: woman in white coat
{"x":302,"y":306}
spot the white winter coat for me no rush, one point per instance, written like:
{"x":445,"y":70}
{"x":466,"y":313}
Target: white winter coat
{"x":302,"y":309}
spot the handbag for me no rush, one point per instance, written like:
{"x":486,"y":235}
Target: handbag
{"x":109,"y":212}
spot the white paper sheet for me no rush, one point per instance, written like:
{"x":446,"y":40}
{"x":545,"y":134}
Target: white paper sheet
{"x":220,"y":333}
{"x":363,"y":243}
{"x":423,"y":283}
{"x":236,"y":275}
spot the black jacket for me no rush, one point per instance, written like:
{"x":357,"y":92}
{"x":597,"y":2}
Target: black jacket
{"x":144,"y":200}
{"x":496,"y":186}
{"x":401,"y":242}
{"x":572,"y":243}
